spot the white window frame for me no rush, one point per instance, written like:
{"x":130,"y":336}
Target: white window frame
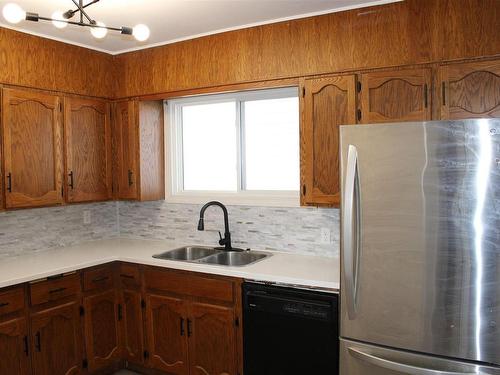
{"x":173,"y":140}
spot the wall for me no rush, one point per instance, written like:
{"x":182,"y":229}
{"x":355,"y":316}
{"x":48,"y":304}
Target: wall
{"x":403,"y":33}
{"x":41,"y":229}
{"x":31,"y":61}
{"x":294,"y":230}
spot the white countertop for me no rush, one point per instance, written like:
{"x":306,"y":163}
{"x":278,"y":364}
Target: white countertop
{"x":300,"y":270}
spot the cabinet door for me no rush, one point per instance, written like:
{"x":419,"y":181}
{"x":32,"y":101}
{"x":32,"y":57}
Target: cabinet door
{"x":32,"y":140}
{"x":127,"y":136}
{"x":56,"y":339}
{"x":396,"y":96}
{"x":88,"y":150}
{"x":167,"y":332}
{"x":131,"y":327}
{"x":14,"y":347}
{"x":101,"y":329}
{"x":328,"y":103}
{"x":470,"y":90}
{"x":212,"y":340}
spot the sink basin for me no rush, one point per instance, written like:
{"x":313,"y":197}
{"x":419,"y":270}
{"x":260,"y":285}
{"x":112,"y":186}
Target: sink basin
{"x":235,"y":259}
{"x":187,"y":253}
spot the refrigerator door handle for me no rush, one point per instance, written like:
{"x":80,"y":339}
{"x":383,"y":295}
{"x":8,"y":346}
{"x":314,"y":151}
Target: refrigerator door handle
{"x":400,"y":367}
{"x":351,"y":229}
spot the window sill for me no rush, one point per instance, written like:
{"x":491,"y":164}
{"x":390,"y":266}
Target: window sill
{"x":236,"y":199}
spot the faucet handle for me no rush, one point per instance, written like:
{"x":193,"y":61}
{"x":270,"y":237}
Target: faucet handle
{"x":221,"y":240}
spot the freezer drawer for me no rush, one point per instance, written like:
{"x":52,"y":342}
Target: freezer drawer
{"x":362,"y":359}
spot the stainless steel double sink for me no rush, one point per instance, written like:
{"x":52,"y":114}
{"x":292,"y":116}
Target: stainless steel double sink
{"x":211,"y":255}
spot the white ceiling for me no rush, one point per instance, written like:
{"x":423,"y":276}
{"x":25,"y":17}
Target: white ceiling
{"x":171,"y":20}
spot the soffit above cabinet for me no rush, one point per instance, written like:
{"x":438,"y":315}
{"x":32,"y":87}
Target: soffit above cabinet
{"x":172,"y":20}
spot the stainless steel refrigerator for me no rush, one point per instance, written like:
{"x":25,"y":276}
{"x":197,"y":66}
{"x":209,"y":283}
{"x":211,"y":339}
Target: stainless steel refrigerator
{"x":420,"y":248}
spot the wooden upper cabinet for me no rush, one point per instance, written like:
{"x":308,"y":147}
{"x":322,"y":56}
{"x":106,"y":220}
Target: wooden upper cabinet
{"x":14,"y":346}
{"x":57,"y":341}
{"x":470,"y":90}
{"x":88,"y":150}
{"x":127,"y":149}
{"x":102,"y":313}
{"x":138,"y":133}
{"x":212,"y":340}
{"x":328,"y":103}
{"x":32,"y":145}
{"x":396,"y":96}
{"x":167,"y":330}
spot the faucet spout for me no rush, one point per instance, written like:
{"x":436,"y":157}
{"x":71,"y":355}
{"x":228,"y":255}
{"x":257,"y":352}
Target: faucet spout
{"x":226,"y":241}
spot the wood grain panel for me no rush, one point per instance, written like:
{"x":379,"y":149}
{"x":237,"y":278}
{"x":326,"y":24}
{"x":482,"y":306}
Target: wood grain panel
{"x":127,"y":148}
{"x":396,"y":96}
{"x":328,"y":103}
{"x":88,"y":149}
{"x":470,"y":90}
{"x":32,"y":142}
{"x":403,"y":33}
{"x":152,"y":151}
{"x":167,"y":332}
{"x":53,"y":290}
{"x":131,"y":327}
{"x":212,"y":343}
{"x":36,"y":62}
{"x":101,"y":329}
{"x":11,"y":300}
{"x":14,"y":347}
{"x":57,"y":340}
{"x":100,"y":278}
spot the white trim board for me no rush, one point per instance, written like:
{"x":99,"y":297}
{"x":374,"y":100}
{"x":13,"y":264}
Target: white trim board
{"x":219,"y":31}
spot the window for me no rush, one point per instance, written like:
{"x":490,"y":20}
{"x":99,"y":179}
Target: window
{"x":242,"y":148}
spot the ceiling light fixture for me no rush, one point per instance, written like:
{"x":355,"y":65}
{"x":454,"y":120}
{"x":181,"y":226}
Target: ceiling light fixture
{"x":13,"y":13}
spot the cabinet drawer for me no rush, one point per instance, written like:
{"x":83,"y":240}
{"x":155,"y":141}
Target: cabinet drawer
{"x":11,"y":301}
{"x":129,"y":276}
{"x":52,"y":290}
{"x":98,"y":279}
{"x":189,"y":284}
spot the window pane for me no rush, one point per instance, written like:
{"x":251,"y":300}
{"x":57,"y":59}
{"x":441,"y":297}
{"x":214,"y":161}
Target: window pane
{"x":272,"y":144}
{"x":209,"y":146}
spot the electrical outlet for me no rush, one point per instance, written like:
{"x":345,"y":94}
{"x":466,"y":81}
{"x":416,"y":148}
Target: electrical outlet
{"x":87,"y":218}
{"x":325,"y":236}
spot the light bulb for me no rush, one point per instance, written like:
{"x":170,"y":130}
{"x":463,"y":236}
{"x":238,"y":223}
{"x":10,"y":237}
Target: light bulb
{"x":99,"y":32}
{"x":58,"y":16}
{"x":141,"y":32}
{"x":13,"y":13}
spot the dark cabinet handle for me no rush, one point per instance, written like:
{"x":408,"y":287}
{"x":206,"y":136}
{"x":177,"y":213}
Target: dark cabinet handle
{"x":4,"y":304}
{"x":182,"y":326}
{"x":130,"y":182}
{"x":125,"y":276}
{"x":71,"y":180}
{"x":99,"y":279}
{"x":58,"y":290}
{"x":190,"y":332}
{"x":443,"y":92}
{"x":25,"y":341}
{"x":426,"y":96}
{"x":38,"y":342}
{"x":304,"y":189}
{"x":9,"y":182}
{"x":120,"y":312}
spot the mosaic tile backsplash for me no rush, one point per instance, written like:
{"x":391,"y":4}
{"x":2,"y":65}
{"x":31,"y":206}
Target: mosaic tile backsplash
{"x":41,"y":229}
{"x":294,"y":230}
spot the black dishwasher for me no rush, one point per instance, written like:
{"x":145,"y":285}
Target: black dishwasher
{"x":288,"y":331}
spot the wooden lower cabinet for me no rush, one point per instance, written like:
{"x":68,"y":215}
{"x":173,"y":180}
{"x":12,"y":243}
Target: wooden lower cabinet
{"x":14,"y":347}
{"x":102,"y":340}
{"x":212,"y":340}
{"x":56,"y":340}
{"x":131,"y":327}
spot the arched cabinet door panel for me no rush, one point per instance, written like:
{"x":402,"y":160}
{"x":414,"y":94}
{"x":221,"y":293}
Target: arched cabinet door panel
{"x":327,"y":103}
{"x":470,"y":90}
{"x":88,"y":149}
{"x":32,"y":144}
{"x":396,"y":96}
{"x":14,"y":346}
